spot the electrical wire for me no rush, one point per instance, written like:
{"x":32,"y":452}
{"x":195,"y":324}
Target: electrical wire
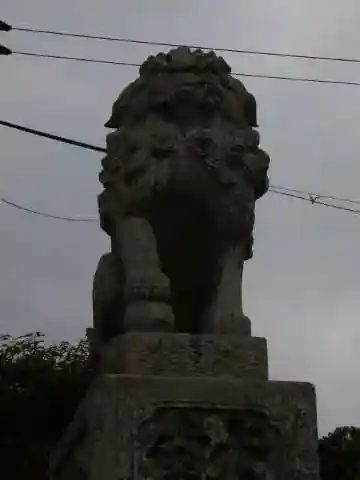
{"x":202,"y":47}
{"x":43,"y":214}
{"x":319,"y":195}
{"x":94,"y":220}
{"x":131,"y":64}
{"x":58,"y":138}
{"x":77,"y":59}
{"x":314,"y":200}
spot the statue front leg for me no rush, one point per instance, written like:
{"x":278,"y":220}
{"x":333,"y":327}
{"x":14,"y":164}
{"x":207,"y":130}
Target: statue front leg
{"x":225,"y":314}
{"x":147,"y":289}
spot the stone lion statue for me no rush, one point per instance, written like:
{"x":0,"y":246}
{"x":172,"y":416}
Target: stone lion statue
{"x":182,"y":173}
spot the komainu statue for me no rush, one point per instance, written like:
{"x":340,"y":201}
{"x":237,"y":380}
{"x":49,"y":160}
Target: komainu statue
{"x":182,"y":173}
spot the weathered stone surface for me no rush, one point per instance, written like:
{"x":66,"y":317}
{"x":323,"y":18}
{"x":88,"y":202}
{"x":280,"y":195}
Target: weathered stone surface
{"x":186,"y":355}
{"x":181,"y":177}
{"x":142,"y":427}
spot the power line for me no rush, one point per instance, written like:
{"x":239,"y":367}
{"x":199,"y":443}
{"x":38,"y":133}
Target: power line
{"x":58,"y":138}
{"x":319,"y":195}
{"x":202,"y":47}
{"x":43,"y":214}
{"x":131,"y":64}
{"x":314,"y":198}
{"x":76,"y":59}
{"x":94,"y":220}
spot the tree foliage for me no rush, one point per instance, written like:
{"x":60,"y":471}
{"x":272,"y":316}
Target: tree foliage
{"x":40,"y":387}
{"x":340,"y":454}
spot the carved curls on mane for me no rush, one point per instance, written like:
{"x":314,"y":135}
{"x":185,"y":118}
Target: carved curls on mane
{"x":202,"y":78}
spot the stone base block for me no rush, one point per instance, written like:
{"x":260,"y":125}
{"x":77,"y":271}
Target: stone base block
{"x":183,"y":355}
{"x":152,"y":427}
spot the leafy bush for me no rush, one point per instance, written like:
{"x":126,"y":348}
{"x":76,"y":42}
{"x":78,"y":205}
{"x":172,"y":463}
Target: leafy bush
{"x":340,"y":454}
{"x":40,"y":387}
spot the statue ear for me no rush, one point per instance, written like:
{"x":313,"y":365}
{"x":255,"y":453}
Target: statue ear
{"x":251,"y":110}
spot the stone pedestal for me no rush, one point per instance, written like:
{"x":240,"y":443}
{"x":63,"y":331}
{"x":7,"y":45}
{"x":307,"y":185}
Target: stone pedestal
{"x":177,"y":406}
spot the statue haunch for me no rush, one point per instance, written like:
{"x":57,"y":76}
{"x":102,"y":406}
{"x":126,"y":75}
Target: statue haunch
{"x":181,"y":177}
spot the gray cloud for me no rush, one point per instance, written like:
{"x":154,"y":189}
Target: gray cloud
{"x":301,"y":287}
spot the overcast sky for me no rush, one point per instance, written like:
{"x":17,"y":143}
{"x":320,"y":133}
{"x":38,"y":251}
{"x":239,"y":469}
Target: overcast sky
{"x":302,"y":286}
